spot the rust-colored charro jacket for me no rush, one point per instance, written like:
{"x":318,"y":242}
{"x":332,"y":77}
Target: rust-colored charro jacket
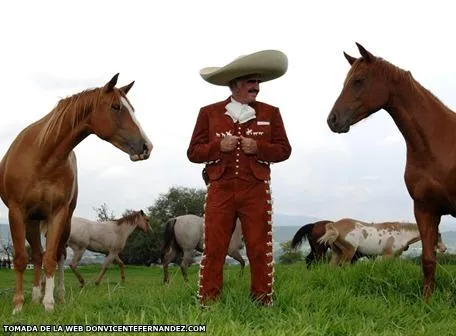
{"x":213,"y":124}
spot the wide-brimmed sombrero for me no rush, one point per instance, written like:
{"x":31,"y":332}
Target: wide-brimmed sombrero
{"x":266,"y":65}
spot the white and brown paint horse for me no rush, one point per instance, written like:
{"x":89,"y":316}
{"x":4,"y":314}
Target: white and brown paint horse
{"x":108,"y":237}
{"x":388,"y":239}
{"x":184,"y":234}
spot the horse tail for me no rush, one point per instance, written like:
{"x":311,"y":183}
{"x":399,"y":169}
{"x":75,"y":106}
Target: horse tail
{"x":330,"y":235}
{"x":301,"y":235}
{"x":169,"y":237}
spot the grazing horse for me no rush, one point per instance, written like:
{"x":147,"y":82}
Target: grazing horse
{"x":389,"y":239}
{"x":184,"y":234}
{"x":429,"y":130}
{"x":38,"y":176}
{"x":108,"y":237}
{"x":312,"y":232}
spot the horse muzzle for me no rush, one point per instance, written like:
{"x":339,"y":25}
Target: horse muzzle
{"x":336,"y":124}
{"x":143,"y":151}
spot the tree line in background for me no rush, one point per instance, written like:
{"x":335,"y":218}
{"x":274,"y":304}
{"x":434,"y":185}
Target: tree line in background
{"x":145,"y":248}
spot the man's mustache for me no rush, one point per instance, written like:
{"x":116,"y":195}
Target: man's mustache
{"x":254,"y":91}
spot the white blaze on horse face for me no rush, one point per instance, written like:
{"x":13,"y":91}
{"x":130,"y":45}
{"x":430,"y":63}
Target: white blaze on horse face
{"x":132,"y":115}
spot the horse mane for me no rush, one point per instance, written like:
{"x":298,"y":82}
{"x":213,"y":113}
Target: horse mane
{"x":73,"y":109}
{"x":129,"y":218}
{"x":396,"y":74}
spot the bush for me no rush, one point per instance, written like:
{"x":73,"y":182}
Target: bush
{"x":290,"y":255}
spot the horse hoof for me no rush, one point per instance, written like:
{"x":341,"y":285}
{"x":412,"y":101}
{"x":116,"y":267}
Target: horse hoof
{"x":48,"y":306}
{"x":17,"y":309}
{"x":61,"y":297}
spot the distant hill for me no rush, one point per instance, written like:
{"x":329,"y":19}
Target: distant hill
{"x":284,"y":228}
{"x":292,"y":220}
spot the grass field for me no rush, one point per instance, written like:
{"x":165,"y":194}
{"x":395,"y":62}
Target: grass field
{"x":370,"y":298}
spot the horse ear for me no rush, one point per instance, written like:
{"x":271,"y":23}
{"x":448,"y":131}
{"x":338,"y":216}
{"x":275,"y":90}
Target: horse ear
{"x":349,"y":58}
{"x":366,"y":55}
{"x":142,"y":213}
{"x":127,"y":88}
{"x":111,"y":84}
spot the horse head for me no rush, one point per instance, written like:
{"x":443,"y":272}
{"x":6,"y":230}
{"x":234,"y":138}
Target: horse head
{"x":113,"y":119}
{"x":142,"y":221}
{"x":365,"y":91}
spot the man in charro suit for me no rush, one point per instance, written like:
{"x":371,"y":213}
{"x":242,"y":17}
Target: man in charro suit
{"x":237,"y":139}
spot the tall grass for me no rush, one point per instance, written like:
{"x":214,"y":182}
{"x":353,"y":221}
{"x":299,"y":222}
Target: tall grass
{"x":369,"y":298}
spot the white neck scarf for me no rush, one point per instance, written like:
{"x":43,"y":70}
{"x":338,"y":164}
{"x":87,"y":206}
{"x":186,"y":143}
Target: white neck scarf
{"x":240,"y":112}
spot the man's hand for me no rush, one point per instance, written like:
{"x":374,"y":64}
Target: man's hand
{"x":248,"y":145}
{"x":228,"y":143}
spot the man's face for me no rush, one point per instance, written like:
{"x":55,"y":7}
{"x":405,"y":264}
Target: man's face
{"x":245,"y":90}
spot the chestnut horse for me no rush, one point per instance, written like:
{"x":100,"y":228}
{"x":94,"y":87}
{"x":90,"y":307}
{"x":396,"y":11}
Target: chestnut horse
{"x":312,"y":233}
{"x":38,"y":175}
{"x":389,"y":239}
{"x":429,"y":130}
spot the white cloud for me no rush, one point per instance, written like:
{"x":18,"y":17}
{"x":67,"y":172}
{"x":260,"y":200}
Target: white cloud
{"x":391,"y":140}
{"x":113,"y":172}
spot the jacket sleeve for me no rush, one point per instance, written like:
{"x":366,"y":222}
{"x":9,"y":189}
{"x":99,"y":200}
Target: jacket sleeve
{"x":201,"y":148}
{"x":279,"y":148}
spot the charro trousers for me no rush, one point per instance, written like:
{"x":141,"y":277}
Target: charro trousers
{"x":250,"y":200}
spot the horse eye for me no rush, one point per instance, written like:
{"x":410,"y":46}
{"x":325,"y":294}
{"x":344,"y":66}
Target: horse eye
{"x":358,"y":83}
{"x":115,"y":106}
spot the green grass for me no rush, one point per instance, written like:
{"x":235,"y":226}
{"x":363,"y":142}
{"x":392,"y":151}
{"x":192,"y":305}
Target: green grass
{"x":369,"y":298}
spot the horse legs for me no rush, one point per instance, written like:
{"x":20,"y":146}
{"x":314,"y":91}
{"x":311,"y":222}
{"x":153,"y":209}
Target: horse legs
{"x":346,"y":251}
{"x":34,"y":239}
{"x":335,"y":257}
{"x":61,"y":255}
{"x":56,"y":232}
{"x":60,"y":281}
{"x":337,"y":254}
{"x":121,"y":267}
{"x":186,"y":261}
{"x":428,"y":224}
{"x":319,"y":252}
{"x":236,"y":255}
{"x":109,"y":258}
{"x":17,"y":227}
{"x":347,"y":255}
{"x":167,"y":258}
{"x":310,"y":258}
{"x":77,"y":255}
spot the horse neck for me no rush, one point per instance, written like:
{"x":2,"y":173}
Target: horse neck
{"x":72,"y":129}
{"x":409,"y":236}
{"x":125,"y":229}
{"x":414,"y":236}
{"x":417,"y":113}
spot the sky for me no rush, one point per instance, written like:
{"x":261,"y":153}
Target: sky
{"x":53,"y":49}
